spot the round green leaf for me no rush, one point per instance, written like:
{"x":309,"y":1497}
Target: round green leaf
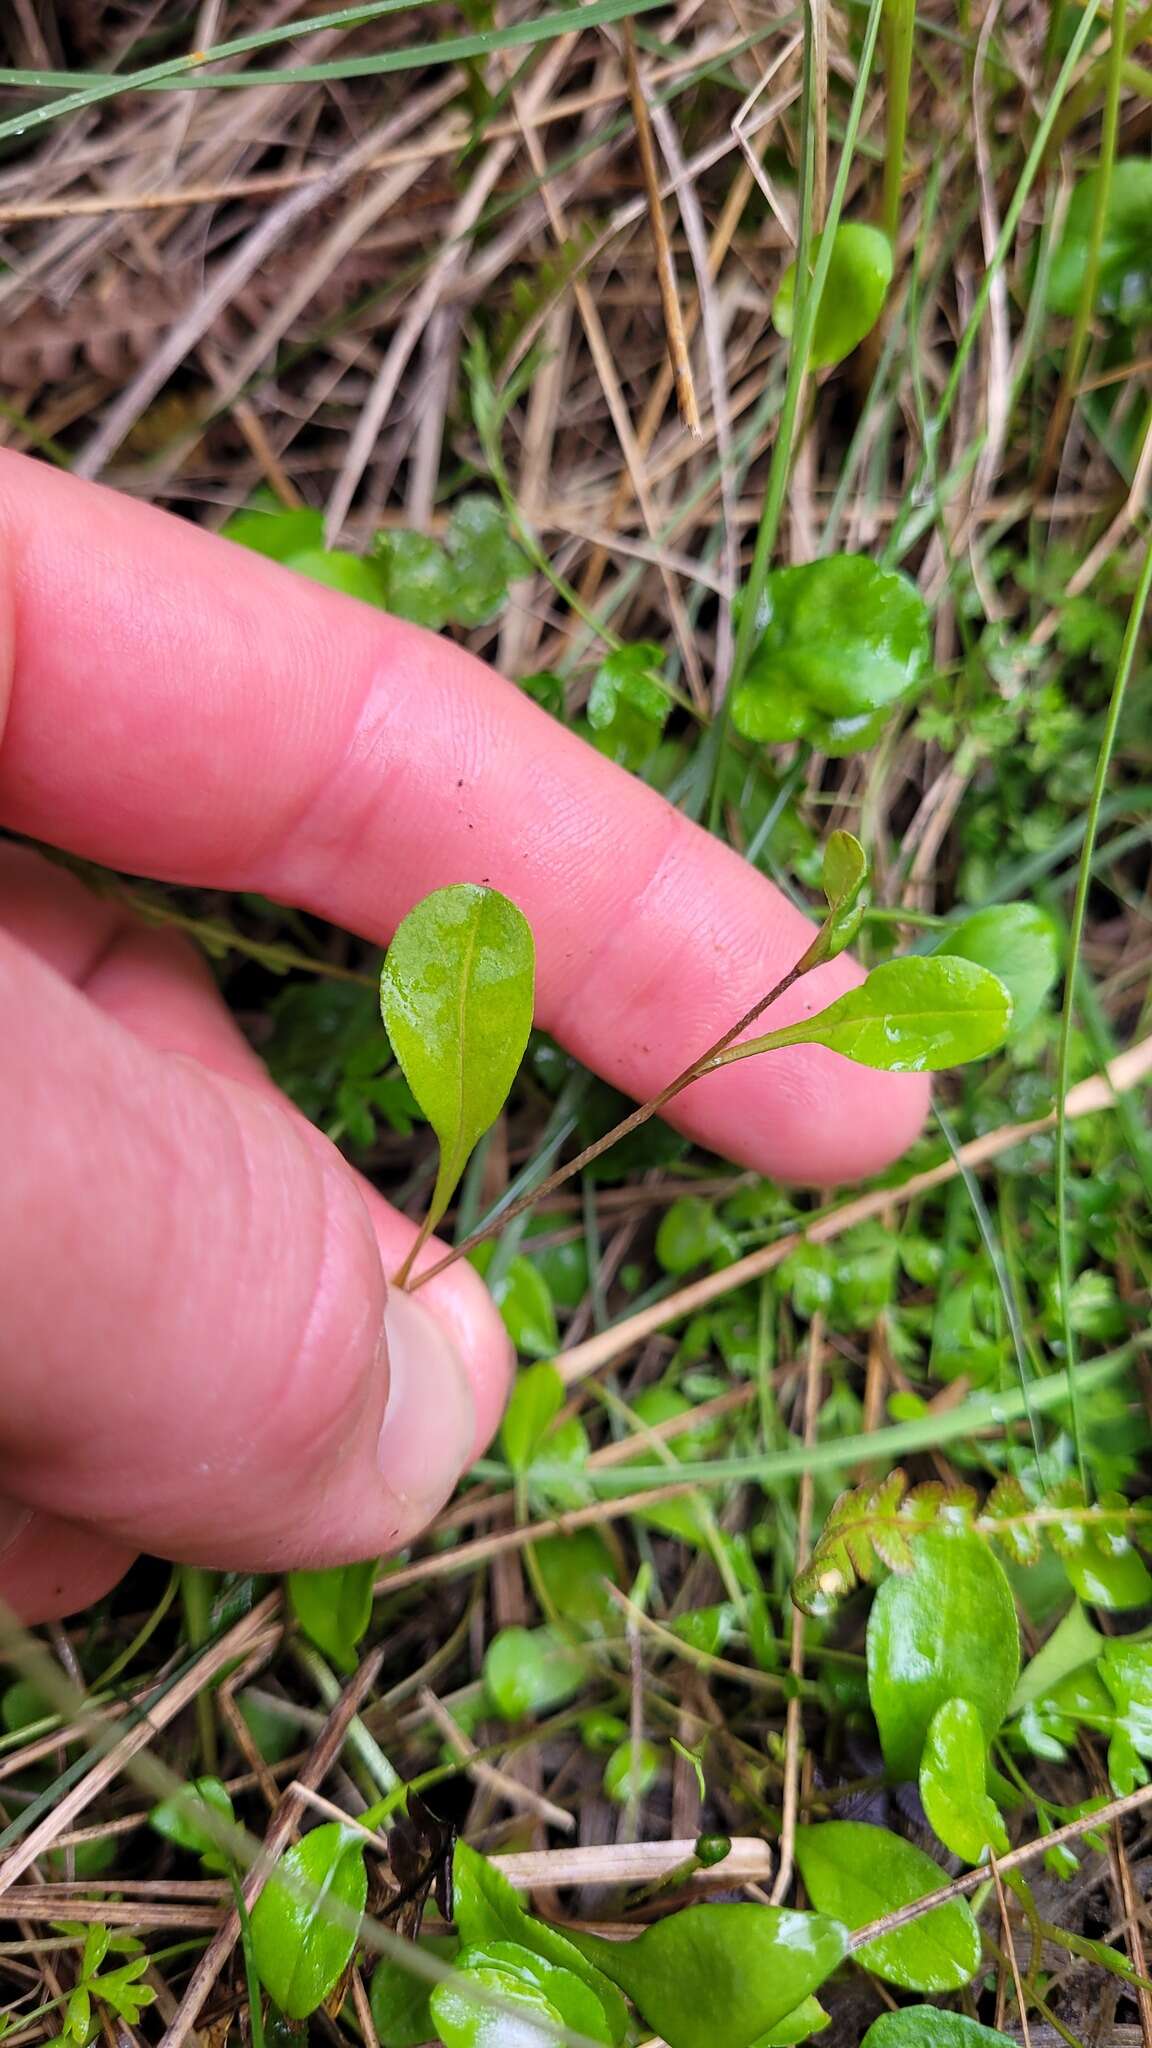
{"x":185,"y":1819}
{"x":631,"y":1771}
{"x":490,"y":2008}
{"x":340,"y":571}
{"x":456,"y":993}
{"x":721,"y":1976}
{"x":485,"y":1909}
{"x":537,"y":1398}
{"x":856,"y":285}
{"x":576,"y":1571}
{"x":521,"y":1294}
{"x":574,"y":1999}
{"x":527,"y":1672}
{"x":841,"y":637}
{"x":954,"y":1783}
{"x":1017,"y":943}
{"x":300,"y":1949}
{"x":858,"y":1873}
{"x":945,"y":1630}
{"x":927,"y":2026}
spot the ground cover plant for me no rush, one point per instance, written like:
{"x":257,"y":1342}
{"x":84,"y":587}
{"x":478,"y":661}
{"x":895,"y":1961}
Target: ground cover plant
{"x":766,"y":394}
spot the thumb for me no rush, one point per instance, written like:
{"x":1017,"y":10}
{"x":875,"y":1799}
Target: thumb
{"x":199,"y":1354}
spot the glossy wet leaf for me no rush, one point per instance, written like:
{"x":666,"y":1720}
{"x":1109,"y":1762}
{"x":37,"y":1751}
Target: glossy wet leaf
{"x":721,"y":1976}
{"x":945,"y":1630}
{"x":840,"y":641}
{"x":529,"y":1671}
{"x":844,"y":874}
{"x":186,"y":1817}
{"x":334,"y":1608}
{"x":858,"y":1873}
{"x":456,"y":995}
{"x":300,"y":1949}
{"x":1017,"y":943}
{"x":573,"y":1998}
{"x":1072,"y":1643}
{"x":490,"y":2008}
{"x":485,"y":1909}
{"x":928,"y":2026}
{"x":537,"y":1398}
{"x":912,"y":1016}
{"x":954,"y":1783}
{"x":1124,"y":277}
{"x":856,"y":285}
{"x":399,"y":1999}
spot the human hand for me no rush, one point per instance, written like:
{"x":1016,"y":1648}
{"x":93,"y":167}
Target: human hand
{"x":199,"y":1355}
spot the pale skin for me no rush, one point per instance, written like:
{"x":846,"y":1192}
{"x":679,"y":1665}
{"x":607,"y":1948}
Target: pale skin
{"x":199,"y":1356}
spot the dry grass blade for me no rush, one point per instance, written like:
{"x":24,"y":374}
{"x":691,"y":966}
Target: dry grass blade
{"x":679,"y":359}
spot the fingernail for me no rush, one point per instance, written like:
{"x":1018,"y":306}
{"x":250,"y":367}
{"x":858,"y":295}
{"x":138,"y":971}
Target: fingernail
{"x":13,"y":1521}
{"x":429,"y":1424}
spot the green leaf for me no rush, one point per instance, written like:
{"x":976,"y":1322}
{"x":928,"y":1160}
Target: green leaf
{"x":840,"y":641}
{"x":536,"y":1400}
{"x":527,"y":1672}
{"x":334,"y":1607}
{"x":485,"y":1908}
{"x":400,"y":2000}
{"x":1072,"y":1643}
{"x":912,"y":1016}
{"x":1017,"y":943}
{"x":927,"y":2026}
{"x":525,"y":1304}
{"x":181,"y":1819}
{"x":945,"y":1630}
{"x":1126,"y":1669}
{"x":858,"y":1873}
{"x":573,"y":1998}
{"x":1124,"y":277}
{"x":456,"y":992}
{"x":484,"y":558}
{"x":471,"y":2013}
{"x":276,"y":531}
{"x":809,"y":2018}
{"x":856,"y":285}
{"x":845,"y":871}
{"x":629,"y":676}
{"x":690,"y":1233}
{"x":954,"y":1783}
{"x":574,"y":1570}
{"x":631,"y":1771}
{"x":300,"y":1950}
{"x":416,"y":577}
{"x":721,"y":1976}
{"x":340,"y":571}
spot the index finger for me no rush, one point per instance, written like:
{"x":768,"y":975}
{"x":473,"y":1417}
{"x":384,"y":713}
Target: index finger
{"x":186,"y":710}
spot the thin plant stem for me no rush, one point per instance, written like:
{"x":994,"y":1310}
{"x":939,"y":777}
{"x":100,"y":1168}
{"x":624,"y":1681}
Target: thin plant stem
{"x":599,"y":1146}
{"x":1064,"y":1051}
{"x":196,"y":1594}
{"x":1078,"y":341}
{"x":899,"y":35}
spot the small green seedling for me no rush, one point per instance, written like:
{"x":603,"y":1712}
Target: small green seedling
{"x":859,"y":274}
{"x":120,"y":1990}
{"x":839,"y":643}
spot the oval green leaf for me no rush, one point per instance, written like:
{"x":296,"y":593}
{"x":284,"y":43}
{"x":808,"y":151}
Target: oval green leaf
{"x":845,"y":872}
{"x":809,"y":2018}
{"x":536,"y":1400}
{"x":490,"y":2008}
{"x":945,"y":1630}
{"x":528,"y":1671}
{"x":334,"y":1608}
{"x":721,"y":1976}
{"x":911,"y":1016}
{"x":1017,"y":943}
{"x":1124,"y":276}
{"x":954,"y":1783}
{"x":299,"y":1945}
{"x":186,"y":1819}
{"x":486,"y":1909}
{"x":399,"y":2000}
{"x":574,"y":1999}
{"x":855,"y":287}
{"x":926,"y":2026}
{"x":456,"y":993}
{"x":858,"y":1873}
